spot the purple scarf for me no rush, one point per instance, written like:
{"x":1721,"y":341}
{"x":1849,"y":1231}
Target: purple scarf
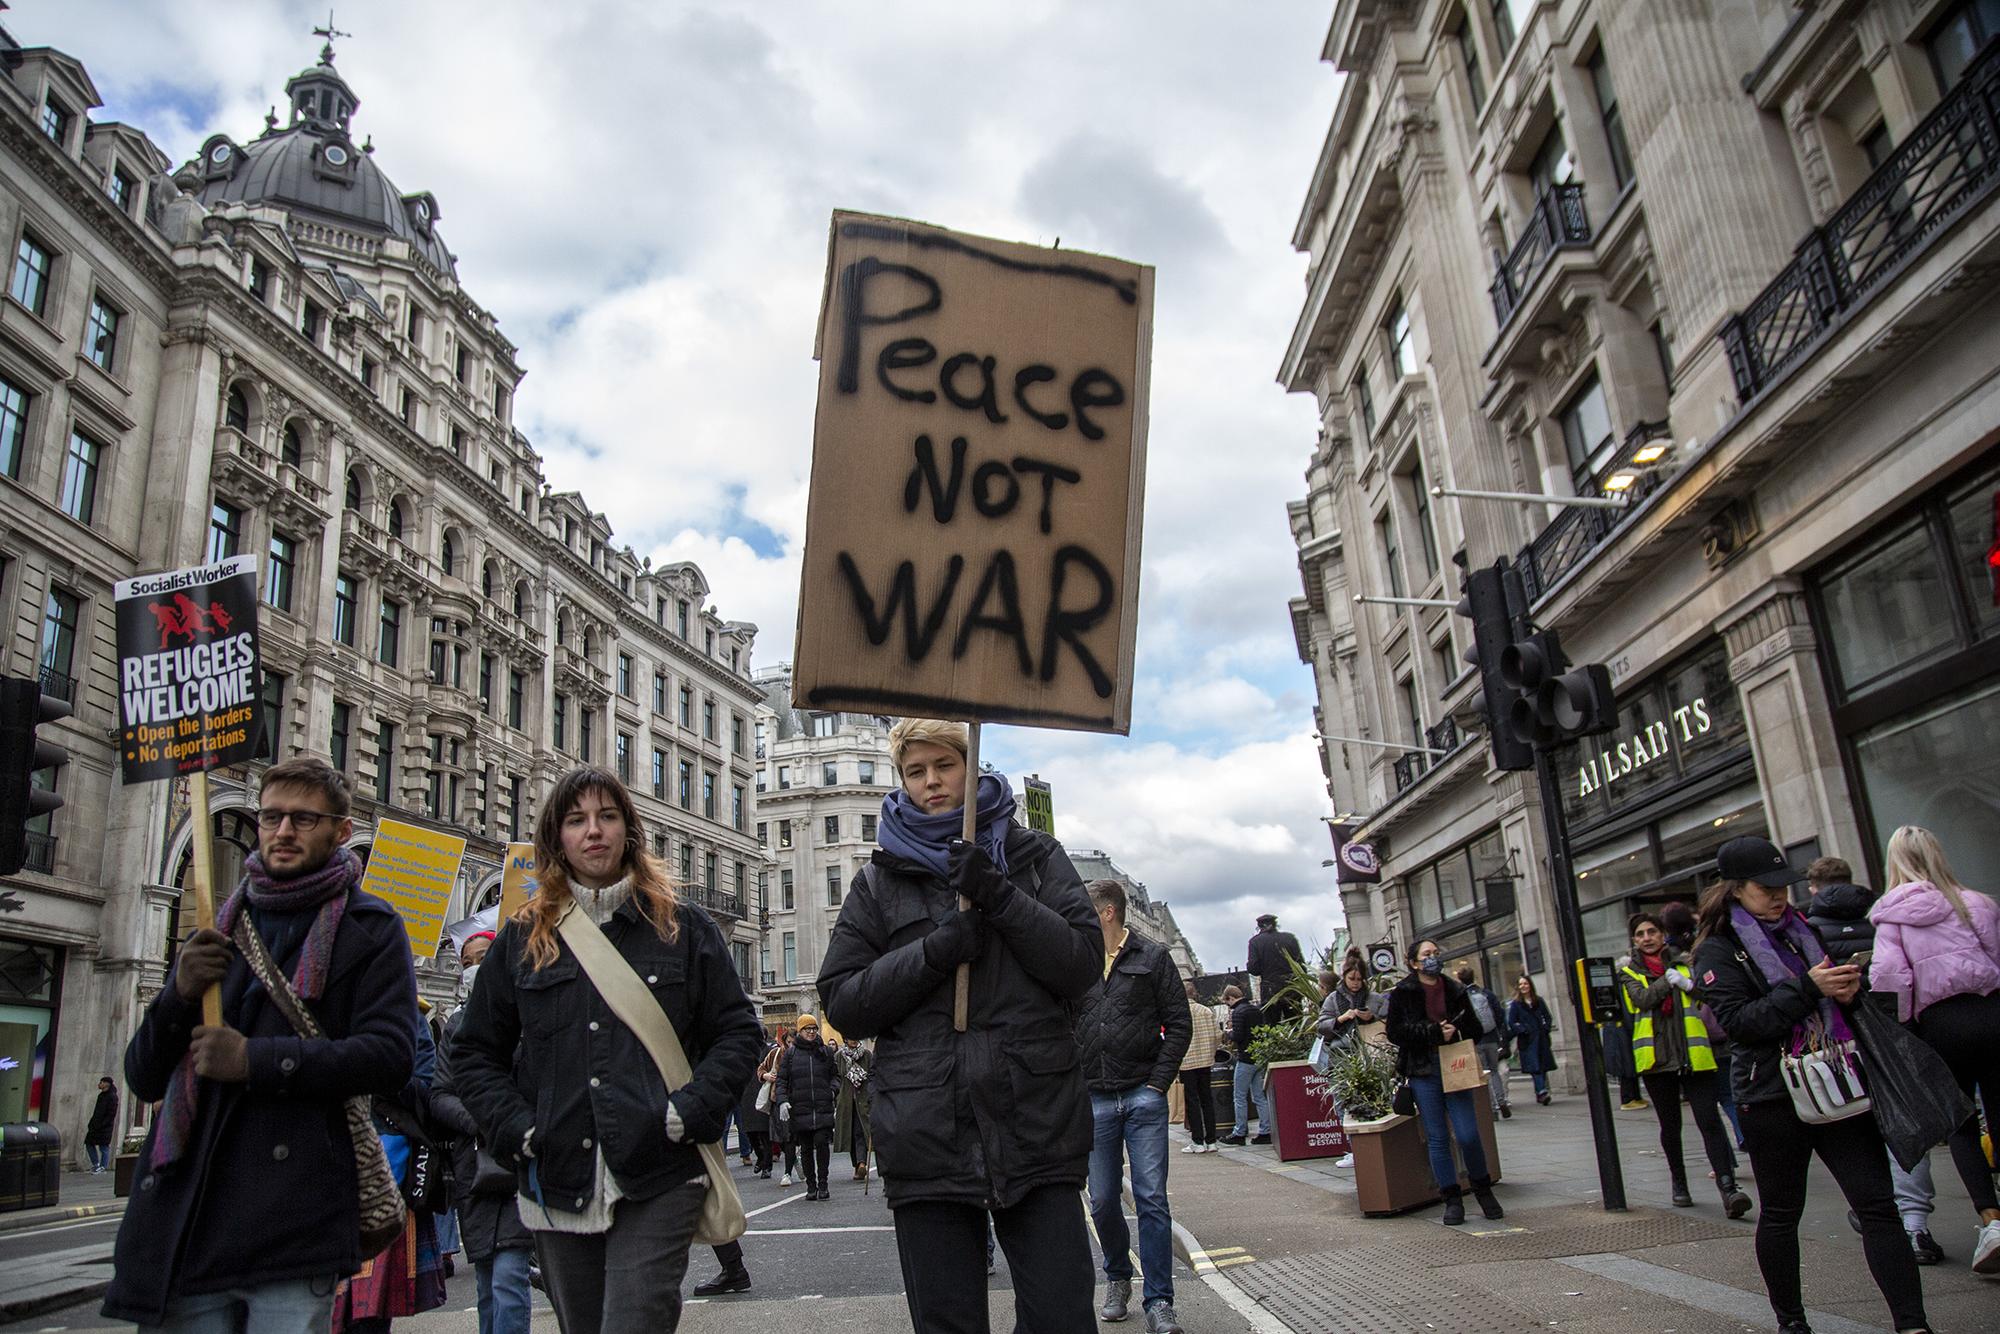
{"x":911,"y":834}
{"x":1785,"y":949}
{"x":325,"y":889}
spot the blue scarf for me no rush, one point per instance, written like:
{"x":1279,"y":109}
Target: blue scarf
{"x":908,"y":832}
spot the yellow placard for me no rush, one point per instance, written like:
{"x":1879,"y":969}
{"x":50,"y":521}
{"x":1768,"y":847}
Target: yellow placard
{"x":517,"y":882}
{"x":413,"y":869}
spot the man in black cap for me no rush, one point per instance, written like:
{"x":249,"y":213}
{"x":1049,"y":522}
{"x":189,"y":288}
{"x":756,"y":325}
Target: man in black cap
{"x":1273,"y":954}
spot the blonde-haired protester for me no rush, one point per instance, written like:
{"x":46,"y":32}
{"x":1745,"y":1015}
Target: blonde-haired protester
{"x":993,"y":1119}
{"x":1767,"y":977}
{"x":611,"y":1178}
{"x":1937,"y":949}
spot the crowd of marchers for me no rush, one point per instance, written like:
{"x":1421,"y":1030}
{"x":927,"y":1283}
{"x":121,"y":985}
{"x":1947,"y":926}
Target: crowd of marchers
{"x":321,"y":1147}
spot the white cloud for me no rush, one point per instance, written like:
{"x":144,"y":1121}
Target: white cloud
{"x":640,"y":191}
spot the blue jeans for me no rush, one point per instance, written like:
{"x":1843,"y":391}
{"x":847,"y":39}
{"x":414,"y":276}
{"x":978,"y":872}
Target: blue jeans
{"x":1248,"y":1086}
{"x":504,"y":1299}
{"x":1438,"y":1109}
{"x":288,"y":1306}
{"x":1541,"y":1083}
{"x":1132,"y":1123}
{"x":100,"y":1156}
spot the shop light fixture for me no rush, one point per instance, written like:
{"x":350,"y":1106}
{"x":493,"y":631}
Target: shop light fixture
{"x":1622,"y":480}
{"x":1651,"y":453}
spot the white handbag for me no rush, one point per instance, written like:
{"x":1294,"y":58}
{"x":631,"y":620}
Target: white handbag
{"x":1827,"y":1083}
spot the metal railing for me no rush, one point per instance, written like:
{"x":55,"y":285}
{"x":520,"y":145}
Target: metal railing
{"x":59,"y":684}
{"x":1408,"y":768}
{"x":1574,"y":533}
{"x":1558,"y":222}
{"x":41,"y":852}
{"x":1943,"y":167}
{"x":1443,"y":736}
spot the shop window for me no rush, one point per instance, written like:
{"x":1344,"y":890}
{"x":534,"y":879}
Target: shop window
{"x":1887,"y":610}
{"x":29,"y":982}
{"x":1938,"y":767}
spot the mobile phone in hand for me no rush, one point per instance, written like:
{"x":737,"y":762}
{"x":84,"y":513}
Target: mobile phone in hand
{"x":1861,"y":958}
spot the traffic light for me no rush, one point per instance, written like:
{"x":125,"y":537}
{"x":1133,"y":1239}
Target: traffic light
{"x":23,"y":708}
{"x":1554,"y":703}
{"x":1485,"y":605}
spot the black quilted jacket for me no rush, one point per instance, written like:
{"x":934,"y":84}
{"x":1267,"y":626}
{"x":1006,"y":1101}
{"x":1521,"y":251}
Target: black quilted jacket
{"x":1133,"y":1026}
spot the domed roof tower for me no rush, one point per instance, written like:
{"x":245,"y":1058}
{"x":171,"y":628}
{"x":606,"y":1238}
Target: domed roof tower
{"x":312,"y":167}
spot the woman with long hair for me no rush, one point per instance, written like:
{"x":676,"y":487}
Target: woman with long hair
{"x":1768,"y":979}
{"x":782,"y":1143}
{"x":1427,"y":1010}
{"x":989,"y":1117}
{"x":1529,"y":1020}
{"x":1937,"y":950}
{"x":610,"y":1171}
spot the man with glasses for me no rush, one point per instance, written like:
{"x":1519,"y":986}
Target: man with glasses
{"x":244,"y":1212}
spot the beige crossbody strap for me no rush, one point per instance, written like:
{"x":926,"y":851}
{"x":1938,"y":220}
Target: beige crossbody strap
{"x":629,"y":998}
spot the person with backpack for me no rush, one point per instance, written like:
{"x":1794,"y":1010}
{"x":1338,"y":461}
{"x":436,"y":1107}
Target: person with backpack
{"x":1492,"y":1043}
{"x":991,"y":1118}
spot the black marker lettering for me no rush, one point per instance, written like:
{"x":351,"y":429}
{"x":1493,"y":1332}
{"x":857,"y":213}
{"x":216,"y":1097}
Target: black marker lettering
{"x":982,"y":485}
{"x":1037,"y":374}
{"x":1051,"y":474}
{"x":854,"y":314}
{"x":944,"y":494}
{"x":1068,"y":626}
{"x":987,"y":399}
{"x":903,"y":354}
{"x":903,"y":598}
{"x":1093,"y":389}
{"x":999,"y":576}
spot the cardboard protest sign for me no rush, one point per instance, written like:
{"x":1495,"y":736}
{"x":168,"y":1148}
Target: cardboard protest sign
{"x":413,"y":869}
{"x":517,"y":881}
{"x":187,"y":670}
{"x":972,"y":535}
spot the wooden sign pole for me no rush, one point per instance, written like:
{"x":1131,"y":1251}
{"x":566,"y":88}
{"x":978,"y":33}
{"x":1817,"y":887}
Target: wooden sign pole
{"x":961,"y":999}
{"x":204,"y":881}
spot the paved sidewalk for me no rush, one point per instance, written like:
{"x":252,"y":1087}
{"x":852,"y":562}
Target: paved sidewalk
{"x":81,"y":1195}
{"x":1290,"y":1239}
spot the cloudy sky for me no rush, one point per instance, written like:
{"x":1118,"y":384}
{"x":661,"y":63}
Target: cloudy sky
{"x":639,"y":190}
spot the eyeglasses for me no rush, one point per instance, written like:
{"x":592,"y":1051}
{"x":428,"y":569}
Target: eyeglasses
{"x":303,"y":821}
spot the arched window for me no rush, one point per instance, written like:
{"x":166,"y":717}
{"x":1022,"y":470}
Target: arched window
{"x":396,"y":518}
{"x":293,"y":449}
{"x":562,"y":626}
{"x":486,"y":580}
{"x":448,"y":554}
{"x":353,"y":488}
{"x":236,"y":409}
{"x":521,"y":598}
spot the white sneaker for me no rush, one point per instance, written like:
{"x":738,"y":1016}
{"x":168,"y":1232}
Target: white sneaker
{"x":1190,"y":1147}
{"x":1212,"y":1147}
{"x":1986,"y":1255}
{"x":785,"y":1179}
{"x":1345,"y":1160}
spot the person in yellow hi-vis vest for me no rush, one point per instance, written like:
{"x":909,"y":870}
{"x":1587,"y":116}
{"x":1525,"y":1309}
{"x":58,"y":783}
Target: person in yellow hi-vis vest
{"x":1675,"y":1056}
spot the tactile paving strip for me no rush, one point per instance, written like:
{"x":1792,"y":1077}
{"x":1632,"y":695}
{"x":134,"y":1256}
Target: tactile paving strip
{"x":1402,"y":1287}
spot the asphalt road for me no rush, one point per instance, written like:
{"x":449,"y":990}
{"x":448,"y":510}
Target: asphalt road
{"x":833,"y":1264}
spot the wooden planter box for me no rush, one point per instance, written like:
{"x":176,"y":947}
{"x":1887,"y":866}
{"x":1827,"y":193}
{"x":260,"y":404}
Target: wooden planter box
{"x":123,"y":1167}
{"x":1392,"y":1168}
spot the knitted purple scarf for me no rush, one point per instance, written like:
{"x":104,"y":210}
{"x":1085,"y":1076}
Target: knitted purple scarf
{"x":325,"y":889}
{"x":1761,"y":941}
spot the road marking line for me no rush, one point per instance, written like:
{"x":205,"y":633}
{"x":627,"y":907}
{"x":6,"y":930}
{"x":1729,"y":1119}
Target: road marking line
{"x":1239,"y":1301}
{"x":1224,"y":1250}
{"x":814,"y":1231}
{"x":779,"y":1205}
{"x":1234,"y":1260}
{"x":46,"y":1228}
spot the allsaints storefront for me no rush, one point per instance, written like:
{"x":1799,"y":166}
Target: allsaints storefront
{"x":1649,"y":803}
{"x":1909,"y":621}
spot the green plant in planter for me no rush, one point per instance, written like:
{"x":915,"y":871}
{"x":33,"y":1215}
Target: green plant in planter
{"x":1362,"y":1077}
{"x":1279,"y":1042}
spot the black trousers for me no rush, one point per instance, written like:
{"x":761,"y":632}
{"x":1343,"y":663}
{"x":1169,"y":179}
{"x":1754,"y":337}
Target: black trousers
{"x":943,"y":1250}
{"x":1961,"y":1029}
{"x":1781,"y":1149}
{"x":760,"y":1143}
{"x":857,"y":1139}
{"x":1665,"y":1091}
{"x":627,"y":1280}
{"x":1200,"y":1105}
{"x":815,"y":1154}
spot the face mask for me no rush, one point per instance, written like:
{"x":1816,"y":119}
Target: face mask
{"x":465,"y":981}
{"x":1432,"y":966}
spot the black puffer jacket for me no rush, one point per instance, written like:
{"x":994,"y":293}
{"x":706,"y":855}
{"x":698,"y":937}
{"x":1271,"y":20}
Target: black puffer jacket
{"x":1416,"y":1035}
{"x":481,"y":1190}
{"x":539,"y":1049}
{"x":1133,"y":1027}
{"x":1839,"y":913}
{"x":809,"y":1083}
{"x":984,"y":1116}
{"x":1757,"y":1016}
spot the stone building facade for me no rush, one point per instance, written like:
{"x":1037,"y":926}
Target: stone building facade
{"x":821,"y":778}
{"x":268,"y":351}
{"x":1734,"y":264}
{"x":1153,"y":920}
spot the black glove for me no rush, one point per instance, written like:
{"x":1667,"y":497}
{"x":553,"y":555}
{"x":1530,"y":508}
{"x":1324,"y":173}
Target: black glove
{"x":959,"y":940}
{"x":973,"y":874}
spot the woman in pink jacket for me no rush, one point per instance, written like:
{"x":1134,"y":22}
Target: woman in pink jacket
{"x":1937,"y":949}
